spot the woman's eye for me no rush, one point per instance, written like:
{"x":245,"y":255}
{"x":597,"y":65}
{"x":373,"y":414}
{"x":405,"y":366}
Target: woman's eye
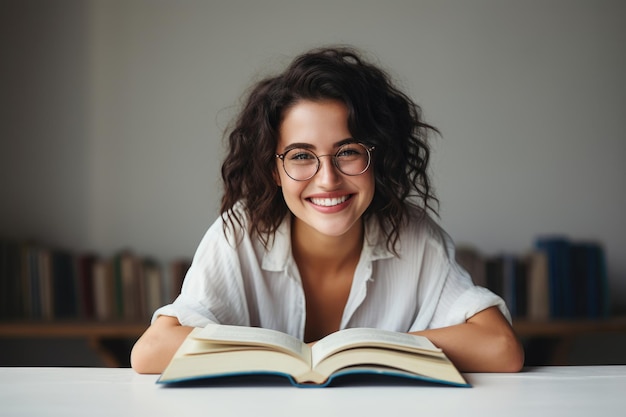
{"x":301,"y":155}
{"x":349,"y":151}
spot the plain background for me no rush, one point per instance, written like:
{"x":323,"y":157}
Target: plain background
{"x":112,"y":113}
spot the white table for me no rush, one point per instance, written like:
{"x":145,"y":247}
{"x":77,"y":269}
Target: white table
{"x":545,"y":391}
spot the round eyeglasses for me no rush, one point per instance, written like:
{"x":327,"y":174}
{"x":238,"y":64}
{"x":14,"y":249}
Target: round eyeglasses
{"x":301,"y":164}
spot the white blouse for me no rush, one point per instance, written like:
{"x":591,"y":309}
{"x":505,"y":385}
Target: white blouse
{"x":245,"y":284}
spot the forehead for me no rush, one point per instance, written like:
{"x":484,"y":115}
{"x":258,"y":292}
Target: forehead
{"x":317,"y":123}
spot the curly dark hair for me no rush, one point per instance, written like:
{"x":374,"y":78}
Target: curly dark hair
{"x":379,"y":115}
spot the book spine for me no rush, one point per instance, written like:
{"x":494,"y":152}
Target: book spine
{"x":40,"y":283}
{"x":64,"y":285}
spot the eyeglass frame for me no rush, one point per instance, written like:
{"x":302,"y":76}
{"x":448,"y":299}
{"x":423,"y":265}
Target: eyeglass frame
{"x":368,"y":149}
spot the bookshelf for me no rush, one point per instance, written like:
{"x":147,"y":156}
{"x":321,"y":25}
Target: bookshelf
{"x":50,"y":293}
{"x":556,"y":337}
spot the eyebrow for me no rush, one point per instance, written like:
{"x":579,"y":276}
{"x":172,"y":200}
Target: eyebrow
{"x":309,"y":146}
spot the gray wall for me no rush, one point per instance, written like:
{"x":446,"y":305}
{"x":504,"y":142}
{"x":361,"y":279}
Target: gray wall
{"x":112,"y":112}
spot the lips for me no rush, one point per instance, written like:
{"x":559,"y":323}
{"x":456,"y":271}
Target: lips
{"x":329,"y":202}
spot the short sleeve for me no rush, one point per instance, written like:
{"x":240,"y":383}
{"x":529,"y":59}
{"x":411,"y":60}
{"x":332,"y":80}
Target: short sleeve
{"x":452,"y":296}
{"x":186,"y":314}
{"x":212,"y":290}
{"x":460,"y":299}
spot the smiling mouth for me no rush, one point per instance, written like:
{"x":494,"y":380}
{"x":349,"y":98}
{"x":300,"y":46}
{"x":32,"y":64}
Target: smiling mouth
{"x":330,"y":202}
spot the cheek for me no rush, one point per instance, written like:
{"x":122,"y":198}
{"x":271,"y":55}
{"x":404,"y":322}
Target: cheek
{"x":292,"y":190}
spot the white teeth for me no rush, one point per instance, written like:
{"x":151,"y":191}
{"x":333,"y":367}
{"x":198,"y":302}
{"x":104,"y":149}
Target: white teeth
{"x":328,"y":202}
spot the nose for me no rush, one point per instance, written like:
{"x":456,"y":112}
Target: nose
{"x":328,"y":173}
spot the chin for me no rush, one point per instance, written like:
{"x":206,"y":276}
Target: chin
{"x":333,"y":229}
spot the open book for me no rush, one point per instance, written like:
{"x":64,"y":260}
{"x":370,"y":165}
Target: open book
{"x":222,"y":350}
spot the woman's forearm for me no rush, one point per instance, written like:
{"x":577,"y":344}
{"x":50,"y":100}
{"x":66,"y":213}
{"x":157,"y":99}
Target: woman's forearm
{"x":485,"y":343}
{"x":156,"y":347}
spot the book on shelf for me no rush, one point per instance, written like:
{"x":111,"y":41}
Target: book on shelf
{"x":473,"y":262}
{"x":507,"y":277}
{"x":178,"y":271}
{"x":45,"y":282}
{"x":538,"y":287}
{"x":152,"y":287}
{"x":557,"y":249}
{"x":104,"y":290}
{"x":39,"y":282}
{"x":221,"y":351}
{"x":129,"y":277}
{"x":64,"y":285}
{"x":577,"y":277}
{"x":558,"y":278}
{"x":85,"y":280}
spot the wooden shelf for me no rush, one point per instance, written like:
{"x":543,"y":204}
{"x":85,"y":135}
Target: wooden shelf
{"x":554,"y":339}
{"x":72,"y":329}
{"x":97,"y":334}
{"x":567,"y":328}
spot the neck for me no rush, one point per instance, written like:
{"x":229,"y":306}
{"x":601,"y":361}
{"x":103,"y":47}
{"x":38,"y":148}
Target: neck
{"x":327,"y":252}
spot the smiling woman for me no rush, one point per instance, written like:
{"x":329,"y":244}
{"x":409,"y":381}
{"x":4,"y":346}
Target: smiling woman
{"x":326,"y":225}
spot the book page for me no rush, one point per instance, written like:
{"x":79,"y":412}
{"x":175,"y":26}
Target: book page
{"x":254,"y":336}
{"x":202,"y":347}
{"x":350,"y":338}
{"x":418,"y":364}
{"x":220,"y":360}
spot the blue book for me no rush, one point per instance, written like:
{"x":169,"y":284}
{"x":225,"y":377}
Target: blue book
{"x":595,"y":282}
